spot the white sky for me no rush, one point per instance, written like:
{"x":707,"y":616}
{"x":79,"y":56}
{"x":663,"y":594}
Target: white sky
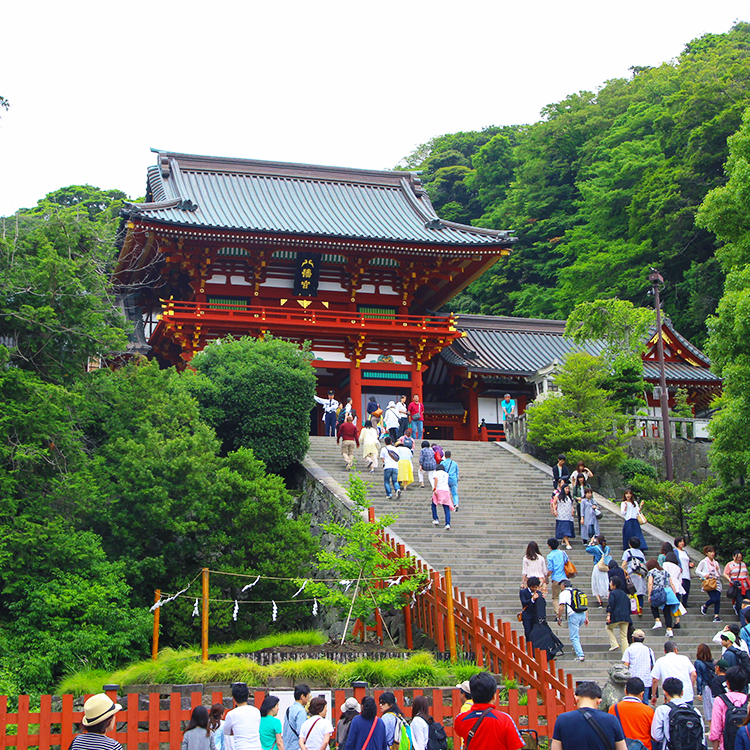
{"x":94,"y":85}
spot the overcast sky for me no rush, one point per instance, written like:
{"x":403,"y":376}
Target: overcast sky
{"x":94,"y":85}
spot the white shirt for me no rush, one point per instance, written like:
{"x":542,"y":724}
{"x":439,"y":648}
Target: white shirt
{"x":404,"y":453}
{"x":441,"y":477}
{"x":566,"y":598}
{"x":321,"y":728}
{"x":403,"y":411}
{"x":628,"y":510}
{"x":391,"y":417}
{"x":388,"y":462}
{"x":243,"y":723}
{"x":741,"y":645}
{"x":640,"y":660}
{"x":684,"y":559}
{"x":707,"y":568}
{"x":675,"y":665}
{"x":329,"y":404}
{"x":420,"y":733}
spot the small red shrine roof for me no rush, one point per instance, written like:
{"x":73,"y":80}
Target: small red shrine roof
{"x":206,"y":192}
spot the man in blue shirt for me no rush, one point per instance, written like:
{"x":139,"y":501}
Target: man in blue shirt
{"x":555,"y":570}
{"x":508,"y":408}
{"x":295,"y":717}
{"x":452,"y":468}
{"x":586,"y":728}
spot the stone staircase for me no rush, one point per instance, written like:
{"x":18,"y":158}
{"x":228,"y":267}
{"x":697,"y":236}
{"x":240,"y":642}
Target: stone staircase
{"x":504,"y":504}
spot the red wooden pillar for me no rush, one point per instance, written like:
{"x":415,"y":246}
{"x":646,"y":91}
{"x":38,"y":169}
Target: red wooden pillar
{"x":473,"y":411}
{"x":355,"y":389}
{"x":416,"y":380}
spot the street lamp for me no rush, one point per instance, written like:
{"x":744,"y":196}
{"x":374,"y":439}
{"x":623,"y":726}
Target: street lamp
{"x":657,"y":282}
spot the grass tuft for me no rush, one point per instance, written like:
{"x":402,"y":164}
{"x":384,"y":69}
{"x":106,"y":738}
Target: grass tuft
{"x":320,"y":671}
{"x":228,"y":669}
{"x":295,"y":638}
{"x":85,"y":682}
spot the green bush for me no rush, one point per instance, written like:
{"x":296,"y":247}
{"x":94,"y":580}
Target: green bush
{"x":632,"y":466}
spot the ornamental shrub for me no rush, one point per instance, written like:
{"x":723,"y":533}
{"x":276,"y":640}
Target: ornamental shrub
{"x":632,"y":466}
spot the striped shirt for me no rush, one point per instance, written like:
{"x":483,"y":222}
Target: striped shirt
{"x":640,"y":660}
{"x":93,"y":741}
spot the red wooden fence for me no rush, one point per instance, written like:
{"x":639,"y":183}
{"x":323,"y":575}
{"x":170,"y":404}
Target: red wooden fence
{"x":151,"y":726}
{"x":492,"y":643}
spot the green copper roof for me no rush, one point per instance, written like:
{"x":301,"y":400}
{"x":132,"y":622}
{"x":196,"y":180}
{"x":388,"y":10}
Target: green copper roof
{"x":298,"y":199}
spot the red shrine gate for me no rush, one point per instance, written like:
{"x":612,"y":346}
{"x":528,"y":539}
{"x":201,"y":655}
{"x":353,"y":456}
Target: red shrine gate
{"x":356,"y":262}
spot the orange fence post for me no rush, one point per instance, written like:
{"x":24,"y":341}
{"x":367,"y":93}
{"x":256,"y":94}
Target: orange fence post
{"x":437,"y":622}
{"x":155,"y":640}
{"x":474,"y":622}
{"x":204,"y":618}
{"x":450,"y":612}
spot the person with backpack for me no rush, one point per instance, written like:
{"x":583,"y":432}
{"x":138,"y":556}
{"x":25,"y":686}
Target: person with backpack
{"x":640,"y":660}
{"x":587,"y":728}
{"x":397,"y":731}
{"x":349,"y":710}
{"x":441,"y":495}
{"x":484,"y":727}
{"x":367,"y":731}
{"x":729,"y":711}
{"x":634,"y":715}
{"x":295,"y":716}
{"x":743,"y":735}
{"x":676,"y":723}
{"x":452,"y":468}
{"x":674,"y":665}
{"x":575,"y":603}
{"x":426,"y":733}
{"x":600,"y":573}
{"x":661,"y":596}
{"x":634,"y":564}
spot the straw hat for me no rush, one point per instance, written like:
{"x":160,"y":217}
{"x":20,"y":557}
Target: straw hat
{"x":98,"y":708}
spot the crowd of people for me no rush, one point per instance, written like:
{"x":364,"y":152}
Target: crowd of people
{"x":624,"y":586}
{"x":393,"y":437}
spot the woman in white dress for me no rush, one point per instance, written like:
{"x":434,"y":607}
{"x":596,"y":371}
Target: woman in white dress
{"x":600,"y":574}
{"x":368,"y":436}
{"x":629,"y":509}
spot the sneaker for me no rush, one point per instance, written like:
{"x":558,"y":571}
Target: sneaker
{"x":447,"y":526}
{"x":703,"y":609}
{"x":670,"y":634}
{"x":436,"y":523}
{"x":455,"y":509}
{"x":677,"y":626}
{"x":657,"y":625}
{"x":580,"y":658}
{"x":717,"y":619}
{"x":388,"y":496}
{"x":398,"y":494}
{"x":568,"y":547}
{"x":613,"y":648}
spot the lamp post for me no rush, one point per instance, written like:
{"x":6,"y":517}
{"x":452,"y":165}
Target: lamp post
{"x":657,"y":281}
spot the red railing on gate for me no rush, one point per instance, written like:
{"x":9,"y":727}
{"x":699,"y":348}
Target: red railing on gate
{"x":155,"y":723}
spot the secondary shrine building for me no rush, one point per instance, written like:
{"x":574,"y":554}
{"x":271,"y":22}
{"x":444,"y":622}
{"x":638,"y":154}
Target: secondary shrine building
{"x":356,"y":262}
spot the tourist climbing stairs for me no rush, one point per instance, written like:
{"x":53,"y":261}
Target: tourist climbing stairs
{"x":504,"y":504}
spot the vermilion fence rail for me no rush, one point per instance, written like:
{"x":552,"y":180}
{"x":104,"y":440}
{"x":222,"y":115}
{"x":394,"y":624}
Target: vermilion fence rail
{"x":160,"y":722}
{"x":493,"y":643}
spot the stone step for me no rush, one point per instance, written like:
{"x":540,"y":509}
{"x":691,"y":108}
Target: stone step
{"x":504,"y":503}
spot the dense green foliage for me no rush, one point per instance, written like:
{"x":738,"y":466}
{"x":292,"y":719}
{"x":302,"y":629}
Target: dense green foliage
{"x":669,"y":505}
{"x":582,"y":420}
{"x":112,"y":484}
{"x":257,"y":393}
{"x":631,"y":467}
{"x":604,"y":185}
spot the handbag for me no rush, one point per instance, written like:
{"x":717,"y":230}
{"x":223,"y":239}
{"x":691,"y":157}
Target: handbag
{"x":709,"y":584}
{"x":733,"y":591}
{"x":602,"y":565}
{"x":570,"y":569}
{"x":597,"y":511}
{"x":629,"y":585}
{"x":641,"y":519}
{"x":378,"y":412}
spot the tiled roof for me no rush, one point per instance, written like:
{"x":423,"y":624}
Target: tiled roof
{"x":521,"y":346}
{"x":299,"y":199}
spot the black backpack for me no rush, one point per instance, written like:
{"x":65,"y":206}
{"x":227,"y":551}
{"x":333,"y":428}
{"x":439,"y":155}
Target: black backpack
{"x":579,"y":601}
{"x":437,"y":739}
{"x":743,"y":661}
{"x":685,"y":728}
{"x":734,"y":716}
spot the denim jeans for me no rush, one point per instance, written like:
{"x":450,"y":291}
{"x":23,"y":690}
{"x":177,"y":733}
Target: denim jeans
{"x":714,"y":598}
{"x":417,"y":426}
{"x":390,"y":475}
{"x":447,"y":513}
{"x":453,"y":487}
{"x":575,"y":620}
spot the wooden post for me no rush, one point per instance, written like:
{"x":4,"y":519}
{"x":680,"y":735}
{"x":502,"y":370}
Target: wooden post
{"x":155,"y":640}
{"x":371,"y":514}
{"x":451,"y":620}
{"x":355,"y":390}
{"x":474,"y":621}
{"x":204,"y":618}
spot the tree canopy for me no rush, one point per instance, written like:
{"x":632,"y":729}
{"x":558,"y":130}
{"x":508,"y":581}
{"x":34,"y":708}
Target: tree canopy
{"x":606,"y":184}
